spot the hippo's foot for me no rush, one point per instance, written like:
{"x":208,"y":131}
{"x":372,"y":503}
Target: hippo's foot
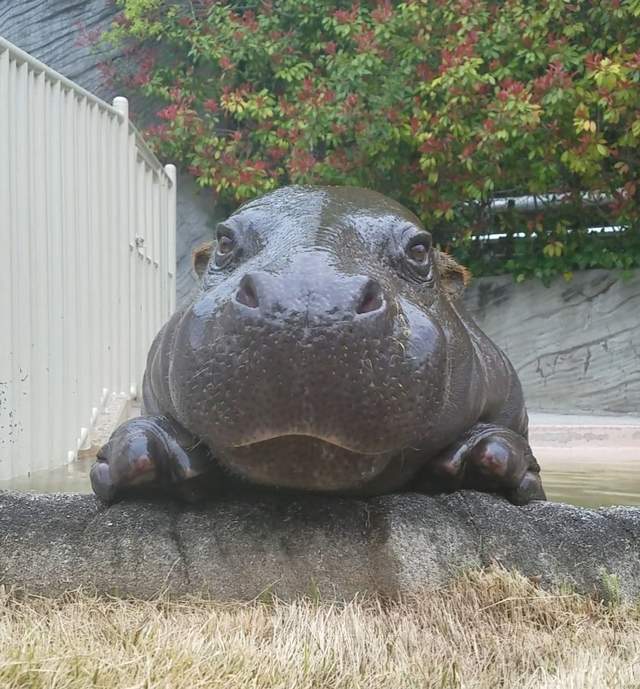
{"x":151,"y":455}
{"x":489,"y":458}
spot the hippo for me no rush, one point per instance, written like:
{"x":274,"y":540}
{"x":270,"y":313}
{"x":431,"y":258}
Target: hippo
{"x":326,"y":350}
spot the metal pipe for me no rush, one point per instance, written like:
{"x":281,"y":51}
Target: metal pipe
{"x":541,"y":202}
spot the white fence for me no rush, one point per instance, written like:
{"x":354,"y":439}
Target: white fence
{"x":87,"y":260}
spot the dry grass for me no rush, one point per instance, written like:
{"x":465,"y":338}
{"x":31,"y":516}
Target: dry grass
{"x":486,"y":630}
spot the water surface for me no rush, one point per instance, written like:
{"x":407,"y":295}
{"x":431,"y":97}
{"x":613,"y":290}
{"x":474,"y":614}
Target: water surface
{"x":591,"y":479}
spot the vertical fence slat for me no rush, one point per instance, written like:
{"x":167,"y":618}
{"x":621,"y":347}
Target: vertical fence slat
{"x":140,"y":283}
{"x":161,"y":201}
{"x":122,"y":204}
{"x":85,"y":240}
{"x":20,"y":224}
{"x":7,"y":431}
{"x":104,"y":288}
{"x":55,"y":256}
{"x":147,"y":308}
{"x":113,"y":286}
{"x":134,"y":287}
{"x":155,"y":258}
{"x":170,"y":240}
{"x":70,"y":223}
{"x":80,"y":297}
{"x":39,"y":237}
{"x":94,"y":274}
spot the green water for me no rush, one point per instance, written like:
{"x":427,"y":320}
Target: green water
{"x":593,"y":483}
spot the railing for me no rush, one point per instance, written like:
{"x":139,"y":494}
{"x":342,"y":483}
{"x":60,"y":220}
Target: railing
{"x":87,"y":260}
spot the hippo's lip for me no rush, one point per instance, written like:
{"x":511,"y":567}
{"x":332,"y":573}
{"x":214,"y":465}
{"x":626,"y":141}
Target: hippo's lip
{"x":264,"y":437}
{"x":318,"y":462}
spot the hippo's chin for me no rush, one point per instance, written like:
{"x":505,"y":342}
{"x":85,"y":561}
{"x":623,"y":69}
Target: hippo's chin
{"x":304,"y":463}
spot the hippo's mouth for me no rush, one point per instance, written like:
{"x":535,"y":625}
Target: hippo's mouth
{"x":261,"y":437}
{"x":304,"y":462}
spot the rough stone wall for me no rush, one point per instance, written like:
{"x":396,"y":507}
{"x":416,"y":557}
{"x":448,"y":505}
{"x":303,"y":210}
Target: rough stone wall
{"x":55,"y":32}
{"x":52,"y":31}
{"x":576,"y":345}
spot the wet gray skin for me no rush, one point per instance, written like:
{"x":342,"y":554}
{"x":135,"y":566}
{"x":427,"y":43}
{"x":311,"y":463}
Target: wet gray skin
{"x":327,"y":350}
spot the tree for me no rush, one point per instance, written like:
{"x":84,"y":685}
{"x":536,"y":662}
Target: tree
{"x":441,"y":104}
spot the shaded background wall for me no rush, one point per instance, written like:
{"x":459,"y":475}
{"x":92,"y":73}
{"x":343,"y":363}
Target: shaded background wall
{"x":576,"y":345}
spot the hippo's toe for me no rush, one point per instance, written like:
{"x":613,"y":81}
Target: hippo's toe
{"x":144,"y":456}
{"x":489,"y":458}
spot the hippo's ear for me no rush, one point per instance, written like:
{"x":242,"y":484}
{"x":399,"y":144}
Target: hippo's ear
{"x":201,"y":257}
{"x":453,"y":276}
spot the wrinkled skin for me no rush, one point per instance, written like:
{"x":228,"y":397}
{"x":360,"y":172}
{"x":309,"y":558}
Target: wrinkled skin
{"x":327,"y":350}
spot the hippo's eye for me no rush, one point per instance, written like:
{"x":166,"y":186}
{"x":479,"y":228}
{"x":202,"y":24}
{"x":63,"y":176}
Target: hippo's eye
{"x":225,"y":250}
{"x":225,"y":245}
{"x":418,"y":252}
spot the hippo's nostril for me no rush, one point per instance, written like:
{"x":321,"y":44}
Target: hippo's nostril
{"x":247,"y":293}
{"x":371,"y":298}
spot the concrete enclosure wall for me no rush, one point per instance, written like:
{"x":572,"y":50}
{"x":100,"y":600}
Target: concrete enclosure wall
{"x":575,"y":345}
{"x":87,"y":266}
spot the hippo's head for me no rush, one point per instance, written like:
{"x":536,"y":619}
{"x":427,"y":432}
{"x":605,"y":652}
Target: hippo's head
{"x":325,"y":344}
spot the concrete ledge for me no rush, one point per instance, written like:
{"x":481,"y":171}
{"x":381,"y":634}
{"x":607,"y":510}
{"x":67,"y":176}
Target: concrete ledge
{"x":239,"y":549}
{"x":584,"y":431}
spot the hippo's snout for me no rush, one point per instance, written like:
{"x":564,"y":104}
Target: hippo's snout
{"x":320,"y":297}
{"x":321,"y":351}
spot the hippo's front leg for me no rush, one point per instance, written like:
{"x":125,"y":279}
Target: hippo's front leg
{"x":153,"y":453}
{"x":489,"y":458}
